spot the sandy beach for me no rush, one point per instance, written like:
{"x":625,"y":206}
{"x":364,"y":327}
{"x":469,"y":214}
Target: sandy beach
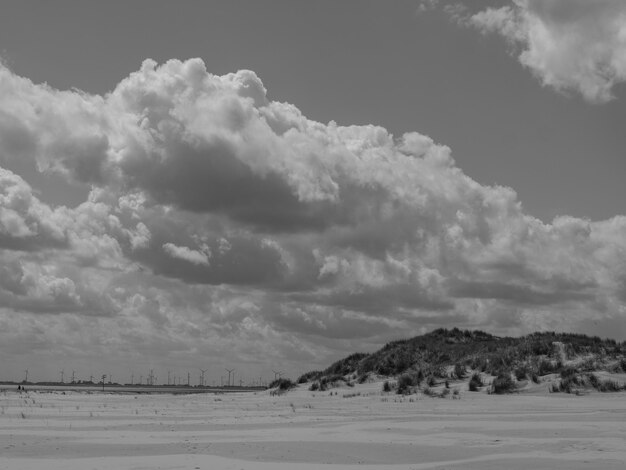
{"x":350,"y":428}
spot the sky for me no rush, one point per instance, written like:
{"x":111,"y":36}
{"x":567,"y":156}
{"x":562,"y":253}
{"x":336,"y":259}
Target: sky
{"x":274,"y":185}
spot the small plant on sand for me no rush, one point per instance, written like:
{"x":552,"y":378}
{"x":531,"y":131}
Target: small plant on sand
{"x":282,"y":384}
{"x":545,"y":367}
{"x":406,"y":383}
{"x":503,"y":383}
{"x":603,"y":386}
{"x":521,"y":373}
{"x":475,"y":382}
{"x":459,"y":371}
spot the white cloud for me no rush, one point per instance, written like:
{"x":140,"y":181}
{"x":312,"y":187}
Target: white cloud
{"x":187,"y":254}
{"x":25,"y":223}
{"x":575,"y":45}
{"x":219,"y":217}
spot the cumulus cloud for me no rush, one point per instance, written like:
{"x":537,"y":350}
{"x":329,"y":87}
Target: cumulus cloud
{"x":577,"y":45}
{"x":25,"y":223}
{"x":219,"y":217}
{"x":187,"y":254}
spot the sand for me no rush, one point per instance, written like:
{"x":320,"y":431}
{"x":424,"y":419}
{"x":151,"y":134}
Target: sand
{"x":352,"y":428}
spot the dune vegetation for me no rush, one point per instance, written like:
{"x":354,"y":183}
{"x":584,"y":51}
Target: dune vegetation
{"x":568,"y":362}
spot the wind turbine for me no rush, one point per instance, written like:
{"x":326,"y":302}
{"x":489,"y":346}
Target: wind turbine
{"x":73,"y":376}
{"x":62,"y":375}
{"x":229,"y":372}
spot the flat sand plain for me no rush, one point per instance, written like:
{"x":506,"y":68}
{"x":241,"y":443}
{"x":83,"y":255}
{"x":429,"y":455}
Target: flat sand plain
{"x":352,"y":428}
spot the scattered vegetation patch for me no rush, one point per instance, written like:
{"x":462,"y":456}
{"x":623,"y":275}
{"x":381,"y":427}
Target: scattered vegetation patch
{"x":460,"y":371}
{"x":475,"y":382}
{"x":309,"y":376}
{"x":282,"y":384}
{"x":503,"y":383}
{"x":407,"y":383}
{"x":446,"y":354}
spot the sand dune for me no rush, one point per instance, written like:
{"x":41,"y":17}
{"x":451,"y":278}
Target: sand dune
{"x":352,"y":428}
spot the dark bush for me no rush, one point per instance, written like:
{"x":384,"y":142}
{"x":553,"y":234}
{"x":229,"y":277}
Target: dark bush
{"x":475,"y":382}
{"x":568,"y":372}
{"x":406,"y":382}
{"x":521,"y":373}
{"x":503,"y":383}
{"x":593,"y":380}
{"x":545,"y":367}
{"x":459,"y":371}
{"x":307,"y":377}
{"x":282,"y":384}
{"x":386,"y":386}
{"x":609,"y":386}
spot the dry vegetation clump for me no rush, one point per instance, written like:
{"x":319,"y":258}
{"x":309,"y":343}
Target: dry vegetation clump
{"x":475,"y":382}
{"x":572,"y":381}
{"x":309,"y":376}
{"x":503,"y":383}
{"x":281,"y":386}
{"x":408,"y":382}
{"x":445,"y":354}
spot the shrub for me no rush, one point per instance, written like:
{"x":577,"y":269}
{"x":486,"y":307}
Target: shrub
{"x":568,"y":372}
{"x":459,"y":371}
{"x":405,"y":383}
{"x":545,"y":367}
{"x":475,"y":382}
{"x":282,"y":384}
{"x":315,"y":386}
{"x":312,"y":375}
{"x":604,"y":386}
{"x":609,"y":386}
{"x":386,"y":386}
{"x":503,"y":383}
{"x":534,"y":377}
{"x":593,"y":380}
{"x":521,"y":373}
{"x":431,"y":381}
